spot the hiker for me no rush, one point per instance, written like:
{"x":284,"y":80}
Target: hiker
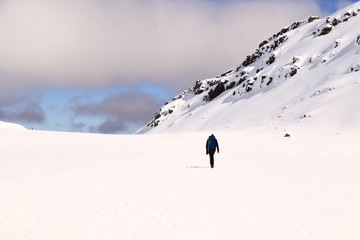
{"x":211,"y":146}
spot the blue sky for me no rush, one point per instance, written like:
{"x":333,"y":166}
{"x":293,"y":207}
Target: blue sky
{"x":107,"y":66}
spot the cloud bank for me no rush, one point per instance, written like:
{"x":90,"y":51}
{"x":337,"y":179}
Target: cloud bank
{"x":21,"y":107}
{"x":115,"y":110}
{"x":91,"y":43}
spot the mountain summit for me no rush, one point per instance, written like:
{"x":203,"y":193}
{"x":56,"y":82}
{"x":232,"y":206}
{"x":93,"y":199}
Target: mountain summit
{"x":307,"y":75}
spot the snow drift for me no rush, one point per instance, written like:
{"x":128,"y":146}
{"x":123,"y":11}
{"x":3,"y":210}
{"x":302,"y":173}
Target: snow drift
{"x":11,"y":125}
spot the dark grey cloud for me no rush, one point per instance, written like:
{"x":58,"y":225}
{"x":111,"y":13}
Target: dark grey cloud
{"x":116,"y":110}
{"x":134,"y":106}
{"x":110,"y":126}
{"x":90,"y":43}
{"x":24,"y":107}
{"x":74,"y":126}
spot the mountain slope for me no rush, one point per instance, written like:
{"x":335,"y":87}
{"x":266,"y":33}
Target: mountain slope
{"x":307,"y":75}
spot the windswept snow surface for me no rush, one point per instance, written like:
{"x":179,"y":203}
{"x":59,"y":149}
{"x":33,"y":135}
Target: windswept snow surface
{"x":159,"y":186}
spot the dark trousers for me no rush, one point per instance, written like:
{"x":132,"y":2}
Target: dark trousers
{"x":211,"y":154}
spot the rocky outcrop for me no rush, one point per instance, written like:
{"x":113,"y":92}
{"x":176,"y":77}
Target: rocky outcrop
{"x":271,"y":59}
{"x":326,"y":30}
{"x":213,"y":93}
{"x":333,"y":22}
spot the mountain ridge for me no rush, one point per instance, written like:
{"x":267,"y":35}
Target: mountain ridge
{"x":312,"y":47}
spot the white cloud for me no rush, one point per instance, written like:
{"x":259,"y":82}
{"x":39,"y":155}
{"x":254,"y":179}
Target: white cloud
{"x":95,"y":43}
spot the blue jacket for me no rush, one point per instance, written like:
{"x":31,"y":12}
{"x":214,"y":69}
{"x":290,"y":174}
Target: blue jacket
{"x":212,"y":143}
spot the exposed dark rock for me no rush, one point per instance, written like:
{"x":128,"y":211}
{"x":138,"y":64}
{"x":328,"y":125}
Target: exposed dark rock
{"x":326,"y":30}
{"x":262,"y":80}
{"x":213,"y":93}
{"x":271,"y":60}
{"x":248,"y":87}
{"x":241,"y":80}
{"x":252,"y":58}
{"x":287,"y":135}
{"x":358,"y":40}
{"x":269,"y":82}
{"x":226,"y":73}
{"x":258,"y":70}
{"x":293,"y":71}
{"x":212,"y":83}
{"x":157,"y":115}
{"x":231,"y":85}
{"x":156,"y":123}
{"x":263,"y":43}
{"x":347,"y":16}
{"x":249,"y":84}
{"x":312,"y":18}
{"x":295,"y":59}
{"x":199,"y":91}
{"x":283,"y":31}
{"x":335,"y":22}
{"x":283,"y":39}
{"x":295,"y":25}
{"x":355,"y":69}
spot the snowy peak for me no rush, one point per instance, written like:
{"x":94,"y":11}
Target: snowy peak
{"x":306,"y":59}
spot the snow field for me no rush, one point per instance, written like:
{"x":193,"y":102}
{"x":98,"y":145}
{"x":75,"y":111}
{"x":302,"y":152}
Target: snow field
{"x":160,"y":186}
{"x":11,"y":125}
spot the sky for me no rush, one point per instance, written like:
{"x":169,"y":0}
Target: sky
{"x":106,"y":66}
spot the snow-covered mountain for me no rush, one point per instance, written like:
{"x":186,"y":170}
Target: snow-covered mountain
{"x":307,"y":75}
{"x":11,"y":125}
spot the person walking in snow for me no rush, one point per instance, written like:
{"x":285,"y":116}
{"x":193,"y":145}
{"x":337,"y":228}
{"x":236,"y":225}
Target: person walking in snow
{"x":211,"y":146}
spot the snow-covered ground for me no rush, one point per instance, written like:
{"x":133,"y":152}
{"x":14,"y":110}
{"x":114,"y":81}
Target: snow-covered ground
{"x":159,"y":186}
{"x":11,"y":125}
